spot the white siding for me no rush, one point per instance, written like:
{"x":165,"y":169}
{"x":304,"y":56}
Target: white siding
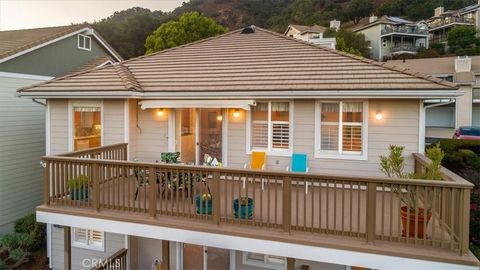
{"x":399,"y":126}
{"x":58,"y":126}
{"x":22,"y":143}
{"x":151,"y":135}
{"x":113,"y":121}
{"x":113,"y":243}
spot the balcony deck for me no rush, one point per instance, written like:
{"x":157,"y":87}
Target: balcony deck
{"x":345,"y":212}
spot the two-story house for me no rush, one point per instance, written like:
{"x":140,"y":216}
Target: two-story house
{"x":26,"y":57}
{"x":313,"y":34}
{"x":278,"y":168}
{"x":390,"y":36}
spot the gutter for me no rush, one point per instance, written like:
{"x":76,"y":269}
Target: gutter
{"x":38,"y":102}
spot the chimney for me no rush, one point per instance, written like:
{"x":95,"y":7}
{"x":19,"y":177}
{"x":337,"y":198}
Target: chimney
{"x":335,"y":25}
{"x":372,"y":18}
{"x":463,"y":64}
{"x":439,"y":11}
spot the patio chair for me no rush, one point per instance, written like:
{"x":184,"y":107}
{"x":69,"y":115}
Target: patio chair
{"x":257,"y":161}
{"x":299,"y":163}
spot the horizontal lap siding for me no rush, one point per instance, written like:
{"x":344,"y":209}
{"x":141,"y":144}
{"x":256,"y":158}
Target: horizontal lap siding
{"x":22,"y":143}
{"x":151,"y":135}
{"x":113,"y":121}
{"x":113,"y":243}
{"x":58,"y":126}
{"x":399,"y":126}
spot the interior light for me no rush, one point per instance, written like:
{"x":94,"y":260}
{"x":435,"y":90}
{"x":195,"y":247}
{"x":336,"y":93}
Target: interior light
{"x":236,"y":113}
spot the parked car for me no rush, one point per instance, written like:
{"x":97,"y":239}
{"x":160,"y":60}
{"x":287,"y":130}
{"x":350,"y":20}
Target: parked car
{"x":467,"y":133}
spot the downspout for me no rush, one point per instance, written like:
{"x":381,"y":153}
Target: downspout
{"x":38,"y":102}
{"x":422,"y":119}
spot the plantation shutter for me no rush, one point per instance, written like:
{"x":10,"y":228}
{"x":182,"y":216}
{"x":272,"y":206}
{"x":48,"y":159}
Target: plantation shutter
{"x":329,"y":126}
{"x":96,"y":237}
{"x":81,"y":236}
{"x":260,"y":126}
{"x":352,"y":117}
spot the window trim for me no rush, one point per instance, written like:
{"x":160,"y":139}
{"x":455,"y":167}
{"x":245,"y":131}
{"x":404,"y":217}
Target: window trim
{"x":265,"y":264}
{"x":71,"y":121}
{"x":271,"y":151}
{"x":336,"y":154}
{"x":85,"y":38}
{"x":87,"y":246}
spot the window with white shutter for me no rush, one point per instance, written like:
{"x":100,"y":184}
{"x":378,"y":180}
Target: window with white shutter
{"x":341,"y":129}
{"x":264,"y":260}
{"x":87,"y":238}
{"x":270,"y":128}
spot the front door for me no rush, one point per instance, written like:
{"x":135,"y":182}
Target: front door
{"x":198,"y":132}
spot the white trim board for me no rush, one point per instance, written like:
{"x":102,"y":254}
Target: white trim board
{"x":328,"y":255}
{"x":25,"y":76}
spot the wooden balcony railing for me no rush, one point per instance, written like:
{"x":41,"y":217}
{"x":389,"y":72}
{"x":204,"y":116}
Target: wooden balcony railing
{"x":368,"y":208}
{"x":118,"y":261}
{"x":110,"y":152}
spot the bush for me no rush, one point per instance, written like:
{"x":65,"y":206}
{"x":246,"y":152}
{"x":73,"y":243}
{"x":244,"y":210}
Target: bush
{"x":3,"y":266}
{"x":37,"y":231}
{"x":18,"y":240}
{"x":462,"y":157}
{"x":17,"y":254}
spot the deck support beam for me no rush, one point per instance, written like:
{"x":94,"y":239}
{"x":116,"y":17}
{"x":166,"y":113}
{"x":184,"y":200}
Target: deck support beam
{"x":165,"y":254}
{"x":67,"y":248}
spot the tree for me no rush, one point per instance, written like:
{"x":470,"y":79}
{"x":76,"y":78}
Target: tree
{"x":350,"y":42}
{"x":190,"y":27}
{"x":462,"y":40}
{"x":127,"y":30}
{"x":358,"y":9}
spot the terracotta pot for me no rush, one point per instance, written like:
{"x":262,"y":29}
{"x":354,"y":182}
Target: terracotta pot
{"x":411,"y":223}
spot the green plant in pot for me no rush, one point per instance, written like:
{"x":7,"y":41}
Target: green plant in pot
{"x":79,"y":187}
{"x":204,"y":204}
{"x":414,"y":217}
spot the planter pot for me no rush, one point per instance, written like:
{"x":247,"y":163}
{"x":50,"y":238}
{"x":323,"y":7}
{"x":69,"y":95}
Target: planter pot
{"x":204,"y":206}
{"x":243,"y":210}
{"x":80,"y":194}
{"x":421,"y":222}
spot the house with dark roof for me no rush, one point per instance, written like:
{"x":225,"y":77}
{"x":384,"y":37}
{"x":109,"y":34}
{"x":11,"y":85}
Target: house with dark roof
{"x":390,"y":36}
{"x":26,"y":57}
{"x":248,"y":150}
{"x":313,"y":33}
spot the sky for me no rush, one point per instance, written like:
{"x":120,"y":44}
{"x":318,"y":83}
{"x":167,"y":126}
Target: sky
{"x":22,"y":14}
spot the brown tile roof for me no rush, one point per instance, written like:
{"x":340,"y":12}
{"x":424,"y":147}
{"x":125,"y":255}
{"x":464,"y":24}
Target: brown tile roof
{"x":438,"y":65}
{"x":15,"y":41}
{"x":235,"y":62}
{"x":307,"y":28}
{"x":92,"y":63}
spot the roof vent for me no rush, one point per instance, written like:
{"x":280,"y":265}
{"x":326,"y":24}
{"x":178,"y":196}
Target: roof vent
{"x":249,"y":29}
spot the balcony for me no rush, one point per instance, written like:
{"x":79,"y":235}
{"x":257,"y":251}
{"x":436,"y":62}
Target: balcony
{"x":320,"y":210}
{"x":404,"y":31}
{"x":450,"y":21}
{"x":412,"y":49}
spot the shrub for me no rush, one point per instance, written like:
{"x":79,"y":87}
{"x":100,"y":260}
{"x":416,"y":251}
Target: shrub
{"x":80,"y":182}
{"x":18,"y":240}
{"x":393,"y":164}
{"x":3,"y":266}
{"x":17,"y":254}
{"x":37,"y":231}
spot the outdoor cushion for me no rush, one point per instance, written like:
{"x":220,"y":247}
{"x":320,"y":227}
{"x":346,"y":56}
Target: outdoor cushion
{"x":299,"y":162}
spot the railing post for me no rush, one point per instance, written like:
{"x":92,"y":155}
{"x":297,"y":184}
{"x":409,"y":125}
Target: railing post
{"x":465,"y":221}
{"x":417,"y":166}
{"x":371,"y":211}
{"x":46,"y":187}
{"x":152,"y":183}
{"x":216,"y":198}
{"x":96,"y":186}
{"x":287,"y":203}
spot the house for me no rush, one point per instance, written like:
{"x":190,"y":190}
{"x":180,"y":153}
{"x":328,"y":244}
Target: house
{"x":392,"y":36}
{"x":443,"y":21}
{"x":444,"y":116}
{"x":26,"y":57}
{"x":247,"y":99}
{"x":313,"y":33}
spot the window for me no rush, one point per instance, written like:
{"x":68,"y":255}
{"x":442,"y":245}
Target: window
{"x":341,"y":129}
{"x":89,"y":239}
{"x":263,"y":260}
{"x":84,"y":42}
{"x":87,"y":126}
{"x":270,"y":127}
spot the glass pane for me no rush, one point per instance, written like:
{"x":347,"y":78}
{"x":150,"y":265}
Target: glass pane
{"x":352,"y":138}
{"x":81,"y":41}
{"x":185,"y":135}
{"x":256,"y":257}
{"x":352,"y":112}
{"x":260,"y":126}
{"x":87,"y":127}
{"x":329,"y":137}
{"x":280,"y":111}
{"x":88,"y":43}
{"x":330,"y":112}
{"x":210,"y":136}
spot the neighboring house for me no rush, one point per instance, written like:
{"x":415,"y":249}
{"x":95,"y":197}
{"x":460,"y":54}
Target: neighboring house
{"x":236,"y":97}
{"x":443,"y":21}
{"x":27,"y":57}
{"x":313,"y":34}
{"x":390,"y":36}
{"x":443,"y":116}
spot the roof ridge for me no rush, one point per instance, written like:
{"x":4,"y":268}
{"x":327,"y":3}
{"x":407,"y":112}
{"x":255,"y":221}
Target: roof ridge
{"x":366,"y":60}
{"x":127,"y":77}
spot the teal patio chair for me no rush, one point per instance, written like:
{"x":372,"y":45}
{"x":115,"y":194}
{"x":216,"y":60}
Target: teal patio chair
{"x":299,"y":163}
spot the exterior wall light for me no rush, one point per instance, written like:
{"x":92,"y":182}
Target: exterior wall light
{"x":236,"y":113}
{"x":219,"y":118}
{"x":379,"y":116}
{"x":161,"y":112}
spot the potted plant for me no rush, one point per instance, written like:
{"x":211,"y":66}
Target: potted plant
{"x":243,"y":207}
{"x":412,"y":214}
{"x":204,"y":204}
{"x":79,"y":187}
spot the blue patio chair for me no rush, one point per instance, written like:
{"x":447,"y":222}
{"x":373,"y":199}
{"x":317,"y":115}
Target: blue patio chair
{"x":299,"y":163}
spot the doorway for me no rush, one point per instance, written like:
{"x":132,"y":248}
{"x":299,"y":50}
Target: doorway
{"x":196,"y":257}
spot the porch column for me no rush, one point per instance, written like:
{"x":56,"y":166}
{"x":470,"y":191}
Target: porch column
{"x":67,"y":248}
{"x":290,"y":264}
{"x":165,"y":255}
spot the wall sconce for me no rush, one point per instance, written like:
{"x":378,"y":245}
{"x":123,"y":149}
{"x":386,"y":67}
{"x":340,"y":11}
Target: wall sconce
{"x":219,"y":118}
{"x":236,"y":113}
{"x":379,"y":116}
{"x":161,"y":112}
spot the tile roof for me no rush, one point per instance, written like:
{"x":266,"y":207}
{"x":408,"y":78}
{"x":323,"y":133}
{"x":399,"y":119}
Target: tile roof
{"x":15,"y":41}
{"x":92,"y":63}
{"x":309,"y":28}
{"x":234,"y":62}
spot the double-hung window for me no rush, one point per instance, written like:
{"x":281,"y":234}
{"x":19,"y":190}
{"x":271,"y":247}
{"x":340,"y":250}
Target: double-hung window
{"x":87,"y":238}
{"x":86,"y":124}
{"x":341,"y":129}
{"x":270,"y":127}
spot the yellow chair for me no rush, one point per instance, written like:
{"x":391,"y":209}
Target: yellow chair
{"x":257,"y":161}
